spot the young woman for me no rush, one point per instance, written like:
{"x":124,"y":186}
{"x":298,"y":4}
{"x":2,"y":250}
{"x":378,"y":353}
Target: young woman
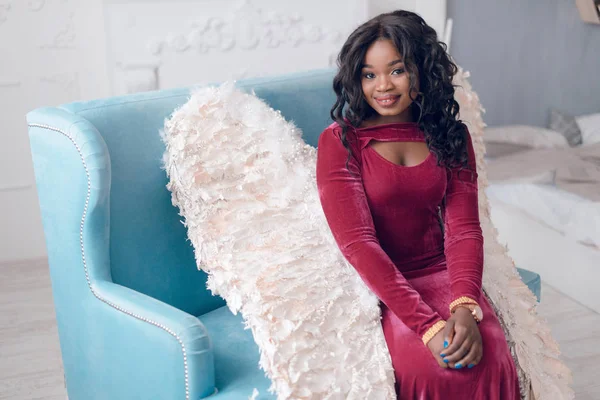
{"x":397,"y":181}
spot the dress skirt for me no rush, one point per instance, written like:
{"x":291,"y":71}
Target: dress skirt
{"x":418,"y":375}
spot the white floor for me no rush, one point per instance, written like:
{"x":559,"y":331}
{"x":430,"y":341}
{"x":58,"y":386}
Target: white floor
{"x":30,"y":362}
{"x":31,"y":368}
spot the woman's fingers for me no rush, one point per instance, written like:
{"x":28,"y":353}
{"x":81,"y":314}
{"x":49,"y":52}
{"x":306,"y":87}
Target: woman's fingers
{"x":478,"y":357}
{"x":435,"y":345}
{"x":457,"y":341}
{"x":448,"y":333}
{"x":462,"y":351}
{"x":471,"y":358}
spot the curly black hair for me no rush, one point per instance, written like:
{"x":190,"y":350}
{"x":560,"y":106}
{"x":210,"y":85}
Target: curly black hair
{"x":425,"y":58}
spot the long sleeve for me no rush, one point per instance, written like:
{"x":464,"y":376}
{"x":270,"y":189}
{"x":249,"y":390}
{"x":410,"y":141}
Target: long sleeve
{"x":463,"y":239}
{"x":347,"y":212}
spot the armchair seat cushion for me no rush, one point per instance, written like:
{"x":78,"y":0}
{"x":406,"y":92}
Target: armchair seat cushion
{"x":237,"y":371}
{"x":532,"y":280}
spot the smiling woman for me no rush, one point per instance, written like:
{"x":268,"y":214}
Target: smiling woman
{"x":383,"y":194}
{"x":386,"y":84}
{"x":388,"y":89}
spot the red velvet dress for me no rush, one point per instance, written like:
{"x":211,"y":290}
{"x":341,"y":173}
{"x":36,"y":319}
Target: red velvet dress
{"x":385,"y":220}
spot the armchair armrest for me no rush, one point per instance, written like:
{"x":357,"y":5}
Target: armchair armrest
{"x":154,"y":350}
{"x":116,"y":343}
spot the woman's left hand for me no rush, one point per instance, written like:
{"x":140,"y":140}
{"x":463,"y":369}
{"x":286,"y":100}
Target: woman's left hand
{"x":462,"y":334}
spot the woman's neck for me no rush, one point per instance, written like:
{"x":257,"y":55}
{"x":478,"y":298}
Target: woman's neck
{"x":381,"y":120}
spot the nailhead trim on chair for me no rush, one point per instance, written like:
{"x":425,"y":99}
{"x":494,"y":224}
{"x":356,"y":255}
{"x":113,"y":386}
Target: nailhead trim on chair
{"x":87,"y":277}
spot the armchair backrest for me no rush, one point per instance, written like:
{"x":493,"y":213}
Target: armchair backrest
{"x":149,"y":250}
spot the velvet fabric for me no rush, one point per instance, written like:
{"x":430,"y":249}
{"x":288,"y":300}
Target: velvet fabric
{"x":413,"y":234}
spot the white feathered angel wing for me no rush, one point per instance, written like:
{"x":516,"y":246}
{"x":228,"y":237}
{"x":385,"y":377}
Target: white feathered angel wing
{"x":244,"y":180}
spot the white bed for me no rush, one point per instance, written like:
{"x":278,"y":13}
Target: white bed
{"x":545,"y":203}
{"x":564,"y":263}
{"x":574,"y":216}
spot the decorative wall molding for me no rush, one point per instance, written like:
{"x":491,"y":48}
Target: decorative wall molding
{"x":65,"y":37}
{"x":201,"y":42}
{"x":5,"y":7}
{"x":247,"y":27}
{"x":35,"y":5}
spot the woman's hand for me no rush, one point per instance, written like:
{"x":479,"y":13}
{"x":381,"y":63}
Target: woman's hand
{"x":463,"y":338}
{"x":436,"y":346}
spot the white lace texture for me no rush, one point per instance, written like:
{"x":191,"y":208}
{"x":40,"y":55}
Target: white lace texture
{"x":244,"y":181}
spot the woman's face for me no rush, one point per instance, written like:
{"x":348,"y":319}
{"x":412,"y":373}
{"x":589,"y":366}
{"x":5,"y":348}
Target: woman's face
{"x":385,"y":83}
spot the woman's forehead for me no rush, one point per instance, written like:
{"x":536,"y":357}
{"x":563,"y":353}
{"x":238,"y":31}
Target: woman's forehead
{"x":381,"y":55}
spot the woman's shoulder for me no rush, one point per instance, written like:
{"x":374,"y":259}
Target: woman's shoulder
{"x":335,"y":129}
{"x":330,"y":140}
{"x":331,"y":134}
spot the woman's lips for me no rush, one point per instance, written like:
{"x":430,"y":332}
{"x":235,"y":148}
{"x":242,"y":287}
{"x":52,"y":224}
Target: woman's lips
{"x":387,"y":101}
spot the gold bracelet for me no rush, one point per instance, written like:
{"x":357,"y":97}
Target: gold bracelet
{"x":431,"y":332}
{"x":460,"y":301}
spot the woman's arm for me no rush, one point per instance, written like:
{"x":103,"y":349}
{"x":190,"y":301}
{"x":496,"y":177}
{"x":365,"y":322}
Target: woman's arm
{"x":463,"y":238}
{"x":349,"y":217}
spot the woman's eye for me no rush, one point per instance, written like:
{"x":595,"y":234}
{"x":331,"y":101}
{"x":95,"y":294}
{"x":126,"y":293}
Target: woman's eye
{"x":370,"y":75}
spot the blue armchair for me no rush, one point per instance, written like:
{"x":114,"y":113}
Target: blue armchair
{"x":135,"y":319}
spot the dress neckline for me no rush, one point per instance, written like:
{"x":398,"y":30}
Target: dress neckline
{"x":390,"y":132}
{"x":390,"y":125}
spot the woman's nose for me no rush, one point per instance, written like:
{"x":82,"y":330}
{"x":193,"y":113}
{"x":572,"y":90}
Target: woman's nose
{"x":383,"y":83}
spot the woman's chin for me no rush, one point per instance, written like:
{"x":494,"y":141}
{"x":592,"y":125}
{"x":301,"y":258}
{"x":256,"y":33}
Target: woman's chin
{"x":390,"y":112}
{"x":387,"y":112}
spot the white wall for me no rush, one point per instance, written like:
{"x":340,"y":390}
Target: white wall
{"x":58,"y":51}
{"x":52,"y":53}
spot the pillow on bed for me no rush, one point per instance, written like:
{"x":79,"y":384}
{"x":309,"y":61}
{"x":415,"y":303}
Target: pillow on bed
{"x":499,"y":149}
{"x":567,"y":126}
{"x":534,"y":166}
{"x":539,"y":178}
{"x":590,"y":128}
{"x":510,"y":139}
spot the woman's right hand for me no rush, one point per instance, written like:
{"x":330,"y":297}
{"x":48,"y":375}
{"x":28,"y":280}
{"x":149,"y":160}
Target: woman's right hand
{"x":465,"y":343}
{"x":436,"y":346}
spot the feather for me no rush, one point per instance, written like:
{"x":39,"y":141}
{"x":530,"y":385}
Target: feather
{"x":244,"y":180}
